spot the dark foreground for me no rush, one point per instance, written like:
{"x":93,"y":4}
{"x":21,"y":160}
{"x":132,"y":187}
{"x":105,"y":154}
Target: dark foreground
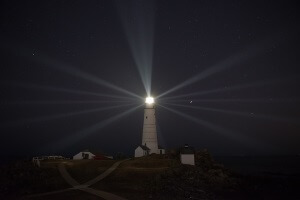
{"x":161,"y":177}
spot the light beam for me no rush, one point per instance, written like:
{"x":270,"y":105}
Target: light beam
{"x":242,"y":100}
{"x":232,"y":61}
{"x":57,"y":116}
{"x":137,"y":18}
{"x":70,"y":140}
{"x":218,"y":129}
{"x":63,"y":67}
{"x":238,"y":113}
{"x":231,"y":88}
{"x":59,"y":89}
{"x":63,"y":102}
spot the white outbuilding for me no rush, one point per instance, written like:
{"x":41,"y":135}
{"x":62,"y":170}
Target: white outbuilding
{"x":89,"y":155}
{"x":161,"y":150}
{"x":187,"y":155}
{"x":85,"y":154}
{"x":141,"y":150}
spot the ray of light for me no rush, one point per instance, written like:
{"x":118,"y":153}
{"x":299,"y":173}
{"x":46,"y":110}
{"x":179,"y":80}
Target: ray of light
{"x":68,"y":141}
{"x":238,"y":113}
{"x":63,"y":102}
{"x":250,"y":100}
{"x":59,"y":89}
{"x":218,"y":129}
{"x":63,"y":67}
{"x":58,"y":116}
{"x":137,"y":18}
{"x":226,"y":89}
{"x":232,"y":61}
{"x":92,"y":78}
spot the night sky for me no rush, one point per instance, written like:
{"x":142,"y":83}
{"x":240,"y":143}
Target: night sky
{"x":226,"y":74}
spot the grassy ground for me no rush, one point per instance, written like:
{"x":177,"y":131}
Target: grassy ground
{"x":152,"y":177}
{"x":22,"y":178}
{"x":130,"y":180}
{"x":85,"y":170}
{"x":74,"y":195}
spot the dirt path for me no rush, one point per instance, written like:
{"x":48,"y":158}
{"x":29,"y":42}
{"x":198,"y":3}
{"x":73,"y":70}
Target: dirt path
{"x":65,"y":174}
{"x":102,"y":194}
{"x":50,"y":193}
{"x":104,"y":174}
{"x":85,"y":187}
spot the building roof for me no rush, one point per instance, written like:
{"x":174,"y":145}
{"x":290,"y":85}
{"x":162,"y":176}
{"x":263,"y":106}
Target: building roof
{"x":144,"y":147}
{"x":187,"y":150}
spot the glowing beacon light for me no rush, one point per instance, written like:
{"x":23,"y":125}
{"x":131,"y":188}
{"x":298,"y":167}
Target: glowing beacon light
{"x":149,"y":100}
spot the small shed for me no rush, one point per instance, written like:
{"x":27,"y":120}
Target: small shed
{"x":89,"y":155}
{"x":187,"y":155}
{"x":161,"y":150}
{"x":141,"y":150}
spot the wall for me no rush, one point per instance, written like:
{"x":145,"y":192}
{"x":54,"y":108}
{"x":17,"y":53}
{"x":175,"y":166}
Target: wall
{"x":149,"y":129}
{"x":163,"y":151}
{"x":139,"y":152}
{"x":188,"y":159}
{"x":79,"y":155}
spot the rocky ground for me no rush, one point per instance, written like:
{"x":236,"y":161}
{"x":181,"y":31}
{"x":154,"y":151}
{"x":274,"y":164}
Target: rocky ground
{"x":203,"y":181}
{"x":210,"y":180}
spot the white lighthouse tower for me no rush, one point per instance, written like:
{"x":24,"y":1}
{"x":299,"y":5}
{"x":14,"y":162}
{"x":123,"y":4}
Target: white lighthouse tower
{"x":149,"y":129}
{"x":149,"y":139}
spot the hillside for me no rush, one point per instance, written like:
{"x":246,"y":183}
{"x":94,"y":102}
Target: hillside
{"x":153,"y":177}
{"x":21,"y":178}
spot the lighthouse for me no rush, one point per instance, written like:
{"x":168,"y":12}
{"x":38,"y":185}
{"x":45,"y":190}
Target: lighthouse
{"x":149,"y":129}
{"x":149,"y":138}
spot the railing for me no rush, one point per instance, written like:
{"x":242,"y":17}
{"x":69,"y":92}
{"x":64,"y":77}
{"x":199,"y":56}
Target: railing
{"x":36,"y":160}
